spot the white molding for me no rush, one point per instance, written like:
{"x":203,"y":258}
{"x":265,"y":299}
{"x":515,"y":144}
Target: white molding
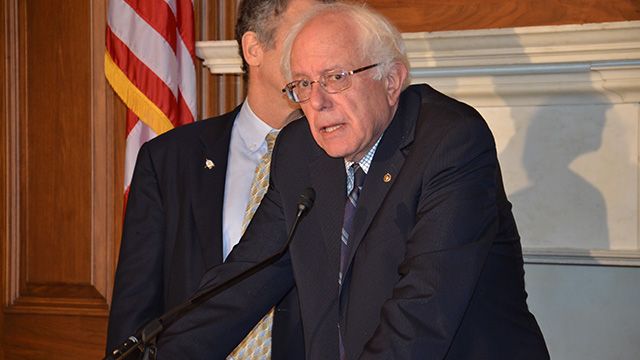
{"x":525,"y":45}
{"x":538,"y":84}
{"x":628,"y":258}
{"x":221,"y":57}
{"x":531,"y":65}
{"x":477,"y":48}
{"x":515,"y":66}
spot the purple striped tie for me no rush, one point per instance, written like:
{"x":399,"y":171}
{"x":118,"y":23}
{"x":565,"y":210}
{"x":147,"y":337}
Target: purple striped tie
{"x":347,"y":228}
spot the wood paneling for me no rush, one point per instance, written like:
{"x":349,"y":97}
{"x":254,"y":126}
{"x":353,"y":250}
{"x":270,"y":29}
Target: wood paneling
{"x":54,"y":337}
{"x":437,"y":15}
{"x":59,"y":194}
{"x":55,"y":151}
{"x":220,"y":93}
{"x":5,"y":99}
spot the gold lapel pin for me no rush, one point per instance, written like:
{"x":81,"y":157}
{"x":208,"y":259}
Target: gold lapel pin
{"x":386,"y":178}
{"x":209,"y":164}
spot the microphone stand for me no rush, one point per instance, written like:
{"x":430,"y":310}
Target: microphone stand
{"x":145,"y":339}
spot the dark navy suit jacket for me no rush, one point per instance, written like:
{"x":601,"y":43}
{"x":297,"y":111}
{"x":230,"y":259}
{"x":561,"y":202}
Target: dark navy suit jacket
{"x":435,"y":268}
{"x":172,"y":232}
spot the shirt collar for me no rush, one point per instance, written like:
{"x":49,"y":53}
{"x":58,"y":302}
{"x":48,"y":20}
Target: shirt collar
{"x":366,"y":160}
{"x":251,"y":128}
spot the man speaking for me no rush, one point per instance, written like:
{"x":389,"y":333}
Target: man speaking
{"x":410,"y":250}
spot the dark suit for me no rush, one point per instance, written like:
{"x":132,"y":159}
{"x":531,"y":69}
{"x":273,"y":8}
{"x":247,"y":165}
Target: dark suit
{"x":436,"y":268}
{"x":173,"y":231}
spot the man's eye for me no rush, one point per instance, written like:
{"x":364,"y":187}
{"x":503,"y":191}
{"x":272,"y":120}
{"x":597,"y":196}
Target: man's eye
{"x":337,"y":77}
{"x":304,"y":84}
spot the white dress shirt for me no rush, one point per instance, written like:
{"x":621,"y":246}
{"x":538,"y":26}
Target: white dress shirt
{"x":245,"y":150}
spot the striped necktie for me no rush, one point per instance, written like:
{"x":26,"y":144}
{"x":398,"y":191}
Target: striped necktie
{"x":257,"y":344}
{"x":356,"y":173}
{"x":260,"y":180}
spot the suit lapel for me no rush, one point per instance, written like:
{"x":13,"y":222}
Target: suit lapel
{"x":329,"y":181}
{"x":386,"y":166}
{"x":207,"y":188}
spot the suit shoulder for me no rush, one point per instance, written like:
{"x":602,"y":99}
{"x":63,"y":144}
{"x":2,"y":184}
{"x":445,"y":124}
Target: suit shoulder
{"x":188,"y":135}
{"x":448,"y":122}
{"x":438,"y":107}
{"x":434,"y":99}
{"x":296,"y":132}
{"x":297,"y":125}
{"x":295,"y":143}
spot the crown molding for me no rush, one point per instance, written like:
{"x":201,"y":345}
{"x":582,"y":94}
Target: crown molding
{"x":557,"y":256}
{"x":220,"y":56}
{"x":514,"y":66}
{"x":525,"y":45}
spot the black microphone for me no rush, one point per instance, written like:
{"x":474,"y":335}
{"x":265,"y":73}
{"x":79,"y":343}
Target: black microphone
{"x":144,"y":339}
{"x":305,"y":203}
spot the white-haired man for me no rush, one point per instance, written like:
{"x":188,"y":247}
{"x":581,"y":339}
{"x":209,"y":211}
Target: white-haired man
{"x":411,"y":250}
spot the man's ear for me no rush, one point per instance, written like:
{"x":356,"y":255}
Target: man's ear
{"x":252,"y":48}
{"x":394,"y":80}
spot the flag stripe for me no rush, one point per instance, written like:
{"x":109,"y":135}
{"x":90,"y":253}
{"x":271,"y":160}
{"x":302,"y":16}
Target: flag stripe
{"x":142,"y":78}
{"x":159,"y":16}
{"x":135,"y":99}
{"x":140,"y":134}
{"x":172,"y":5}
{"x":188,"y":76}
{"x":132,"y":121}
{"x":186,"y":52}
{"x":145,"y":43}
{"x":139,"y":73}
{"x":185,"y":113}
{"x":150,"y":63}
{"x":185,"y":21}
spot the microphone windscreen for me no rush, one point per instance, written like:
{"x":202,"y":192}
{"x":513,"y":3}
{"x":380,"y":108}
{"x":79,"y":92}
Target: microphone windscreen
{"x":307,"y":198}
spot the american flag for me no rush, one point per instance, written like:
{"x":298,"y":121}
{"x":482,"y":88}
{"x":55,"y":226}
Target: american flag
{"x":150,"y":64}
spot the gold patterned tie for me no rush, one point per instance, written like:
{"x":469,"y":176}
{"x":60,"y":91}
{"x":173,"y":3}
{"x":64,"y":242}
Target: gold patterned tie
{"x":257,"y":344}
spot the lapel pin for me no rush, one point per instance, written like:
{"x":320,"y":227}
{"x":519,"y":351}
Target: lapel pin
{"x":209,"y":164}
{"x":386,"y":178}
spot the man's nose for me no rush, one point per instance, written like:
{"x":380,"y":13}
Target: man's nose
{"x":319,"y":97}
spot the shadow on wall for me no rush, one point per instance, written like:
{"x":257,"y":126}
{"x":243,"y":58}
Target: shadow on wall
{"x":545,"y":128}
{"x":559,"y":205}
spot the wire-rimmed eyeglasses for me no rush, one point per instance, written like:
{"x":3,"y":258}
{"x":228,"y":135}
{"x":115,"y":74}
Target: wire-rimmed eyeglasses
{"x":332,"y":82}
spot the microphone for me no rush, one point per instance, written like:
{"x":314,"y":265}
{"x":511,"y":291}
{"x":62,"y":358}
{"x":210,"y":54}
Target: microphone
{"x":305,"y":203}
{"x":144,"y":339}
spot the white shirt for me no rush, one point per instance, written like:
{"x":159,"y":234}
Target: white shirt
{"x":245,"y":150}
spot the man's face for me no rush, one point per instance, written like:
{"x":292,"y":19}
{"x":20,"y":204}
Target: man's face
{"x":346,"y":124}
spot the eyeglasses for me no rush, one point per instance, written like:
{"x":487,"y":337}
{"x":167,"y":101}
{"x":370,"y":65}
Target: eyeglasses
{"x":332,"y":82}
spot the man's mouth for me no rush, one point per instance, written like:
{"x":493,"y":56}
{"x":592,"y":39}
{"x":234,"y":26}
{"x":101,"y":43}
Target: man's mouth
{"x":330,"y":129}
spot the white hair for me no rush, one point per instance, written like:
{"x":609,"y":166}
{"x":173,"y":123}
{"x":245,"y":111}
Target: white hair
{"x":380,"y":42}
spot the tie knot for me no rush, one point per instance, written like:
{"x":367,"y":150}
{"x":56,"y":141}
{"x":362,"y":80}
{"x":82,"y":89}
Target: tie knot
{"x":271,"y":139}
{"x":358,"y":175}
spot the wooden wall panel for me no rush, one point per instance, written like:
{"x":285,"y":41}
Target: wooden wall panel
{"x":58,"y":198}
{"x":4,"y":165}
{"x":55,"y":159}
{"x":220,"y":93}
{"x":437,"y":15}
{"x":56,"y":167}
{"x":53,"y":337}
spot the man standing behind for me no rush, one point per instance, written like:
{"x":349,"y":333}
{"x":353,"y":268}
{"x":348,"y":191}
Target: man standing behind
{"x":410,"y":250}
{"x":191,"y":194}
